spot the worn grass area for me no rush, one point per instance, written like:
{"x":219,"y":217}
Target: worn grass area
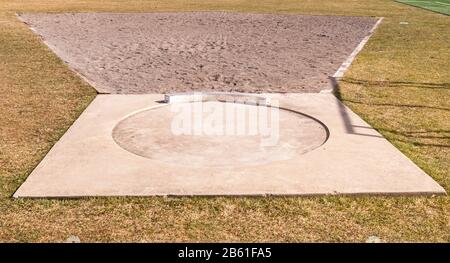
{"x":399,"y":84}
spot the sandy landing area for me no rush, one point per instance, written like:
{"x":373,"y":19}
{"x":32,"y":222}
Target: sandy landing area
{"x":202,"y":51}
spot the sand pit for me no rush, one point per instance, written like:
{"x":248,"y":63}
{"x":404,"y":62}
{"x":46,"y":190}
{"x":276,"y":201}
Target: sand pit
{"x":203,"y":51}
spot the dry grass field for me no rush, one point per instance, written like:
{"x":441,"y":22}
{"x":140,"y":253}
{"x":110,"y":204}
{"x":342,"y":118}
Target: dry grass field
{"x":399,"y":84}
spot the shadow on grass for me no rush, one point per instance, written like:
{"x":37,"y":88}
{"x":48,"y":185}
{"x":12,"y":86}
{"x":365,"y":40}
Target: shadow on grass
{"x":398,"y":105}
{"x":384,"y":83}
{"x":421,"y":134}
{"x":420,"y":144}
{"x":409,"y":135}
{"x":367,"y":83}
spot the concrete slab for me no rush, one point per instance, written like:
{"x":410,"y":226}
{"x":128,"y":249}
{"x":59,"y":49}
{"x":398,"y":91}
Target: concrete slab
{"x":352,"y":158}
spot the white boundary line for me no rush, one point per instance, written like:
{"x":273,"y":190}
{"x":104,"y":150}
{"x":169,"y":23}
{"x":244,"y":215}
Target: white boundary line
{"x":442,"y":3}
{"x":346,"y":64}
{"x":428,"y":2}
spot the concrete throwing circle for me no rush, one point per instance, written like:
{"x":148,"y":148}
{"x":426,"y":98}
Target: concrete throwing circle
{"x":218,"y":134}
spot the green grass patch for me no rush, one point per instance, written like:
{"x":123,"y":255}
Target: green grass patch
{"x":439,"y":6}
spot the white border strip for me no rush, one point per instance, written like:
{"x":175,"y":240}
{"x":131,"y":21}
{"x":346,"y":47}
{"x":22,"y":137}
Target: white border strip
{"x":346,"y":64}
{"x":216,"y":96}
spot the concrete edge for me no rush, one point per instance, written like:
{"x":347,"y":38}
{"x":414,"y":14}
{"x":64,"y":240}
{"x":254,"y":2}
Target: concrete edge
{"x":72,"y":126}
{"x":254,"y":195}
{"x":346,"y":64}
{"x":442,"y":190}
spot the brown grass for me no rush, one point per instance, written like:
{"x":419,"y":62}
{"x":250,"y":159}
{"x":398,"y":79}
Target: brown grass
{"x":399,"y":84}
